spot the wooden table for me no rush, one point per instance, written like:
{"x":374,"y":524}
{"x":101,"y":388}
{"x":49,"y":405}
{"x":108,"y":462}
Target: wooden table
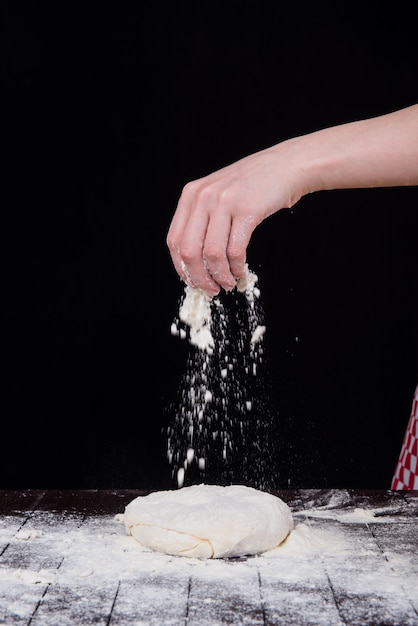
{"x":65,"y":558}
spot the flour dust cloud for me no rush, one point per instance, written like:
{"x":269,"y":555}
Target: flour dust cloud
{"x":221,"y":429}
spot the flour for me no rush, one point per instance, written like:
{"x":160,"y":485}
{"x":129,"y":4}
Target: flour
{"x":27,"y":534}
{"x":42,"y":577}
{"x":92,"y":563}
{"x":359,"y":516}
{"x":220,"y":413}
{"x":195,"y":311}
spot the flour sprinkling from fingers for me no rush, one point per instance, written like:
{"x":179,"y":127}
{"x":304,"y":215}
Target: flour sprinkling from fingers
{"x":219,"y":428}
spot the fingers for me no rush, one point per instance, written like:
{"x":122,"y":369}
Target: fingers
{"x":207,"y":243}
{"x":185,"y":240}
{"x":239,"y":238}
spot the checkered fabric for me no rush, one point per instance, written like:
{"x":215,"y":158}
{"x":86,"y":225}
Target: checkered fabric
{"x":406,"y":473}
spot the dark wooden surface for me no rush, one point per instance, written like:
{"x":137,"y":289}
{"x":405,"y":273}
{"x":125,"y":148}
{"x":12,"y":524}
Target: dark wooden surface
{"x":65,"y":558}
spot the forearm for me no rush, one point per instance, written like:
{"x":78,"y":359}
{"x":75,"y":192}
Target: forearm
{"x":377,"y":152}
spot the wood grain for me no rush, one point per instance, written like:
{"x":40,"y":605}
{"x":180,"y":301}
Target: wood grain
{"x":48,"y":576}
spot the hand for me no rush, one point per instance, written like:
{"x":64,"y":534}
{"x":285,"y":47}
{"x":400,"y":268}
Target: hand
{"x":216,"y":215}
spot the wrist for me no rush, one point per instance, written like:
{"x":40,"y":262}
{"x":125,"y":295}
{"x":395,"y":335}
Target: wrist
{"x":307,"y":165}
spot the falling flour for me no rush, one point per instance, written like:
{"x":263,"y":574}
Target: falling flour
{"x":219,"y":428}
{"x":195,"y":311}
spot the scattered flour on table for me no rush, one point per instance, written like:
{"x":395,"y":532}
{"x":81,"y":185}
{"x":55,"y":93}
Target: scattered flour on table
{"x":220,"y":422}
{"x":27,"y":534}
{"x":304,"y":541}
{"x":357,"y":515}
{"x":42,"y":577}
{"x":98,"y":559}
{"x":100,"y":551}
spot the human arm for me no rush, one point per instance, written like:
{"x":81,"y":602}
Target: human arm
{"x":216,"y":215}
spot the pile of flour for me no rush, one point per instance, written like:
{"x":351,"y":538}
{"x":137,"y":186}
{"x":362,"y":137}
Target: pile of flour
{"x":214,"y":421}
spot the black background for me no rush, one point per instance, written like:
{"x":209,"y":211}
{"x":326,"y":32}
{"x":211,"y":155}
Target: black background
{"x":109,"y":110}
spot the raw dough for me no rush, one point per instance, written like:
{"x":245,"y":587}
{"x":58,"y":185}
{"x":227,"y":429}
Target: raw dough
{"x":209,"y":521}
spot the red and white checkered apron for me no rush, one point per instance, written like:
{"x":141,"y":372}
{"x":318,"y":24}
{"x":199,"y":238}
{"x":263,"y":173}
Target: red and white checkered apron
{"x":406,"y":473}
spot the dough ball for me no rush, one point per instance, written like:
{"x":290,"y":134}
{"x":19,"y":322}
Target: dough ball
{"x":209,"y":521}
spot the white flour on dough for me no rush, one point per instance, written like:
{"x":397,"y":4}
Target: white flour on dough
{"x":209,"y":521}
